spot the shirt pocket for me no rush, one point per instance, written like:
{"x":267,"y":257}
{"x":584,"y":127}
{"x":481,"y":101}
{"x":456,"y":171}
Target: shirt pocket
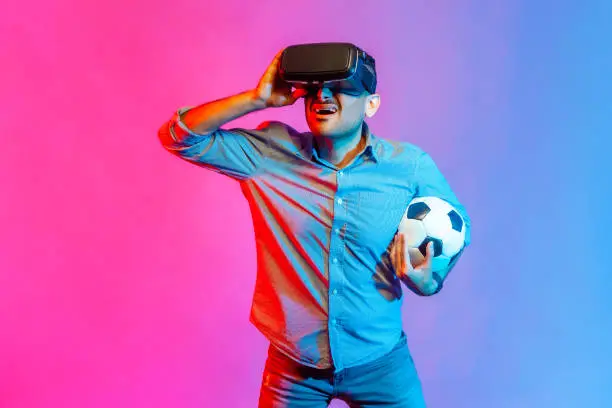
{"x":377,"y":217}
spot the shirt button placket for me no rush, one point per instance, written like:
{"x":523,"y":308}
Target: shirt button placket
{"x":335,"y":274}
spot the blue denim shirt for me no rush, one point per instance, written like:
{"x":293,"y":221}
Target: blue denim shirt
{"x":326,"y":293}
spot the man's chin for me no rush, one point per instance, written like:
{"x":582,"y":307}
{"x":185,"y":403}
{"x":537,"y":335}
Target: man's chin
{"x":322,"y":129}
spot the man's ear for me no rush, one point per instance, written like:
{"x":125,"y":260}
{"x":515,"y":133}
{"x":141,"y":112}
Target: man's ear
{"x":372,"y":105}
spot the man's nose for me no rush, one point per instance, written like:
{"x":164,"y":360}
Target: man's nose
{"x":324,"y":93}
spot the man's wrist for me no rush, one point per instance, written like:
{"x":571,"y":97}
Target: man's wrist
{"x":255,"y":100}
{"x":429,"y":288}
{"x":426,"y":288}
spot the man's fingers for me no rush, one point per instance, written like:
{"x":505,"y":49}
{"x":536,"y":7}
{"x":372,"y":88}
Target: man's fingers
{"x":430,"y":254}
{"x":396,"y":255}
{"x":270,"y":73}
{"x":402,"y":255}
{"x":276,"y":61}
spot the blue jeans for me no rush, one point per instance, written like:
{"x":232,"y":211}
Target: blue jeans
{"x":390,"y":381}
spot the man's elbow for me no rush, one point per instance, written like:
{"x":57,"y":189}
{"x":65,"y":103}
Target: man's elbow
{"x":430,"y":291}
{"x":164,"y":135}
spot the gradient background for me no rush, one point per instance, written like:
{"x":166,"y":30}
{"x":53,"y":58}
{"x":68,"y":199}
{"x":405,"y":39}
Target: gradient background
{"x":126,"y":275}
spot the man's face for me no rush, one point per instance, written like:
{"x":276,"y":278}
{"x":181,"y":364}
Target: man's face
{"x":332,"y":113}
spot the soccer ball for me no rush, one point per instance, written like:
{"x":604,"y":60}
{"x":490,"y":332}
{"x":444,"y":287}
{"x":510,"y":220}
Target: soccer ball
{"x":432,"y":219}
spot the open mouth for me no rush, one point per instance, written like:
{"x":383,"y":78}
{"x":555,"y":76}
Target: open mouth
{"x":326,"y":109}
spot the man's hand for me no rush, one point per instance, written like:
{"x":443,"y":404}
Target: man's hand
{"x":272,"y":91}
{"x":420,"y":275}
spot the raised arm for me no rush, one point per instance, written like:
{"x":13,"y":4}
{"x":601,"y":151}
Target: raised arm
{"x":195,"y":134}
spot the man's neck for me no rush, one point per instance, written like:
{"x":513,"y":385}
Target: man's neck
{"x":341,"y":151}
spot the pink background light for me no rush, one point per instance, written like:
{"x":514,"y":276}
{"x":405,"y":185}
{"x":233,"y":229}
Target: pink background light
{"x":126,"y":275}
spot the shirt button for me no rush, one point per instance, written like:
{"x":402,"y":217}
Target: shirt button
{"x":340,"y":201}
{"x":334,"y":322}
{"x":340,"y":173}
{"x":337,"y":230}
{"x":335,"y":292}
{"x":335,"y":260}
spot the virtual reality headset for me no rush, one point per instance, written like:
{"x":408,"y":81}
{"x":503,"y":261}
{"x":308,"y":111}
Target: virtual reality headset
{"x":342,"y":67}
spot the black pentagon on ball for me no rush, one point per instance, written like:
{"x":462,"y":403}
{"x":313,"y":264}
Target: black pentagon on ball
{"x":437,"y":246}
{"x":455,"y":220}
{"x":418,"y":211}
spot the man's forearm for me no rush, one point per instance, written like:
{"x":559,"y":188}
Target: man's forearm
{"x":211,"y":116}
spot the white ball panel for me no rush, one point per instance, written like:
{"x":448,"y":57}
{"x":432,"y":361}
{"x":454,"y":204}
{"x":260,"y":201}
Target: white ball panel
{"x":437,"y":224}
{"x":437,"y":204}
{"x":453,"y":242}
{"x":413,"y":230}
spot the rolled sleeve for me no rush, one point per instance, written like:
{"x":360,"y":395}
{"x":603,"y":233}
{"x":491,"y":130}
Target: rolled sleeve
{"x":237,"y":153}
{"x":183,"y":127}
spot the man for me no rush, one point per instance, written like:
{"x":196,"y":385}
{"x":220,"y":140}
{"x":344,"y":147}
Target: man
{"x":326,"y":206}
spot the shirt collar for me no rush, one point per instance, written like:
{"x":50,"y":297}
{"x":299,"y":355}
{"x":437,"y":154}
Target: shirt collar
{"x":371,"y":150}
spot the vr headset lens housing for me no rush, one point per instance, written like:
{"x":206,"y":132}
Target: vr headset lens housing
{"x":339,"y":66}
